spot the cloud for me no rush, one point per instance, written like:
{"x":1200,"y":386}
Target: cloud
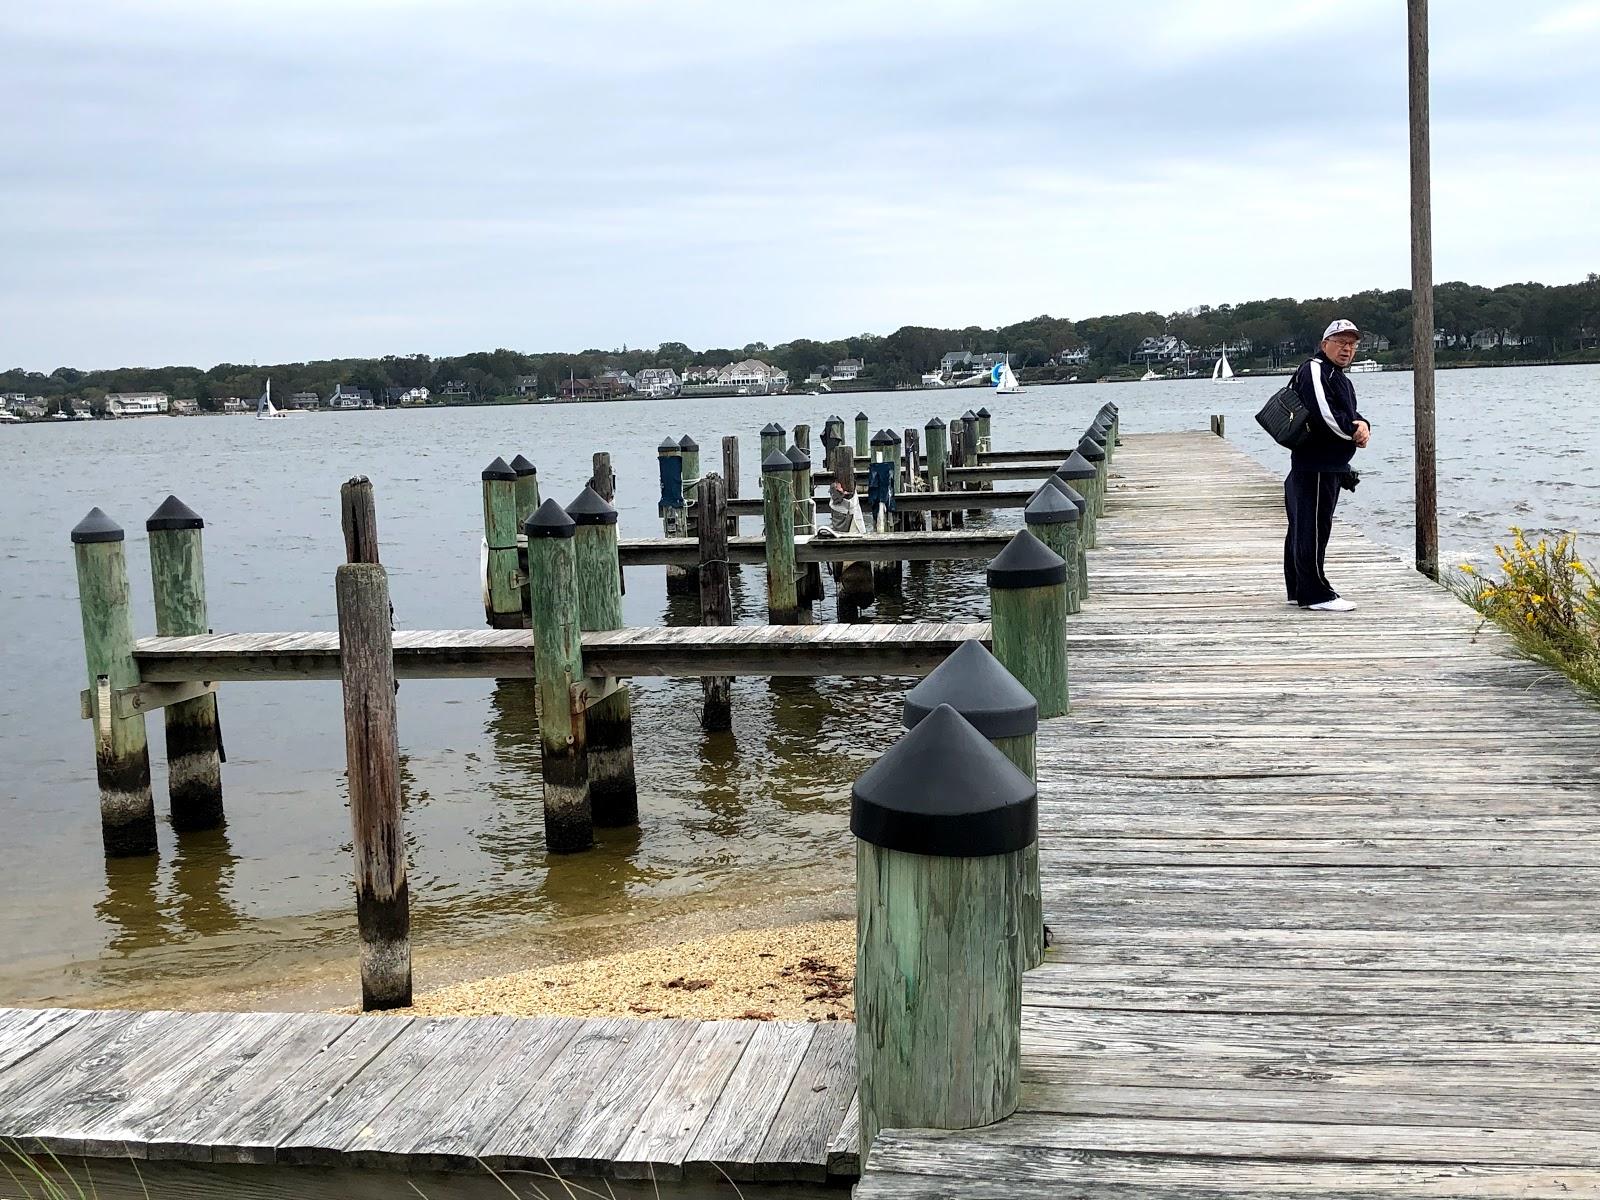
{"x":201,"y":182}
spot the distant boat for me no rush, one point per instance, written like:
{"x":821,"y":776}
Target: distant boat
{"x":1222,"y":372}
{"x":9,"y":418}
{"x":1365,"y":364}
{"x":267,"y":411}
{"x":59,"y":416}
{"x":1005,"y":383}
{"x":1148,"y":375}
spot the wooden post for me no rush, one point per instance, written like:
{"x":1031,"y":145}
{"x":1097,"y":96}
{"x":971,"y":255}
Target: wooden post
{"x":802,"y":438}
{"x":194,"y":746}
{"x":608,"y":722}
{"x":771,"y":440}
{"x":730,"y":477}
{"x":1219,"y":424}
{"x":1095,"y":455}
{"x":985,"y":424}
{"x":358,"y":516}
{"x":961,"y":455}
{"x":690,"y":450}
{"x":604,"y":479}
{"x":808,"y":577}
{"x":911,"y":479}
{"x":855,"y":577}
{"x":527,"y":488}
{"x":670,"y":508}
{"x":503,"y":599}
{"x":122,"y":754}
{"x":1052,"y":517}
{"x":938,"y":993}
{"x":863,"y":435}
{"x":886,"y":576}
{"x":1078,"y":472}
{"x":558,"y":670}
{"x":777,"y":511}
{"x":716,"y":599}
{"x":1425,"y":466}
{"x":938,"y":448}
{"x":971,"y":446}
{"x":1028,"y":610}
{"x":993,"y":702}
{"x":372,"y":764}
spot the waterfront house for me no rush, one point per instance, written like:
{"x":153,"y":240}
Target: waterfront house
{"x":526,"y":385}
{"x":753,"y":374}
{"x":454,"y":387}
{"x":136,"y":404}
{"x":623,"y":379}
{"x":185,"y":407}
{"x":590,"y":389}
{"x":347,"y":396}
{"x":657,"y":381}
{"x":1165,"y":348}
{"x":847,"y":369}
{"x":1075,"y":357}
{"x":305,"y":400}
{"x":233,"y":404}
{"x":704,"y":373}
{"x":14,"y":401}
{"x":1372,"y":343}
{"x":411,"y":397}
{"x":956,"y":358}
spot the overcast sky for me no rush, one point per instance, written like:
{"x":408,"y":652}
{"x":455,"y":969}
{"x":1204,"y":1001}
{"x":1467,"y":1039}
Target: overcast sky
{"x":196,"y":181}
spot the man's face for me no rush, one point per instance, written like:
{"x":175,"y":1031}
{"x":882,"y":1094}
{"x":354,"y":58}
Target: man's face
{"x":1341,"y":348}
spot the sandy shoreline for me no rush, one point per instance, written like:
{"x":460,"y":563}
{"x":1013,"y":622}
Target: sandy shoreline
{"x":791,"y":973}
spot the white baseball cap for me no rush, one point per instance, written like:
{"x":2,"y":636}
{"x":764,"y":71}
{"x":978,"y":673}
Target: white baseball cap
{"x":1338,"y":327}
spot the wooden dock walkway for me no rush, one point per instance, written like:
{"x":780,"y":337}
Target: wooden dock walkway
{"x":658,"y":1101}
{"x":1324,"y":888}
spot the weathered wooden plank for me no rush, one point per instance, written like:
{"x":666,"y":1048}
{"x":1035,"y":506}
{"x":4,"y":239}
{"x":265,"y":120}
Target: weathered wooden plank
{"x":739,"y":1121}
{"x":814,"y":1110}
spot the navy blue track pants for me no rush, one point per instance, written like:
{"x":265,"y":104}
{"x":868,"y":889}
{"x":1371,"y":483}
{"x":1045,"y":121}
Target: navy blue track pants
{"x":1309,"y":497}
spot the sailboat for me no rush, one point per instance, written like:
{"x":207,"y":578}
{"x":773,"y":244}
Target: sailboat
{"x":1222,"y":372}
{"x":1005,"y":383}
{"x":267,"y":411}
{"x":1148,"y":375}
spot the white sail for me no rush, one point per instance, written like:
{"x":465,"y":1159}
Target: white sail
{"x":1004,"y":379}
{"x":267,"y":411}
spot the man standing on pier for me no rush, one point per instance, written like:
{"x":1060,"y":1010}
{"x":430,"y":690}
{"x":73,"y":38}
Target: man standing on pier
{"x":1316,"y":469}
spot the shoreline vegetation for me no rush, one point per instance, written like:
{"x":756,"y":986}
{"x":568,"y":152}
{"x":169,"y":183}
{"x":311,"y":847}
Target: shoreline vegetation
{"x":1511,"y":325}
{"x":1547,"y":599}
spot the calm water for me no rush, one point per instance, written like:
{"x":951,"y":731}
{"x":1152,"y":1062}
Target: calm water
{"x":760,"y":811}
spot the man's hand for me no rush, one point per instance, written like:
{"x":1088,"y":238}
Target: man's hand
{"x":1363,"y":433}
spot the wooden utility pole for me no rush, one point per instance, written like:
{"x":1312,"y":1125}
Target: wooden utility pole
{"x":1427,"y":505}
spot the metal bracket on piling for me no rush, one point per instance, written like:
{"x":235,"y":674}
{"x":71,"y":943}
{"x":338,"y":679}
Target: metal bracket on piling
{"x":594,"y":689}
{"x":101,"y":705}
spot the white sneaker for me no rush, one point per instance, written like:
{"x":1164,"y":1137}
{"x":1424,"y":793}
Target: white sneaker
{"x":1337,"y":604}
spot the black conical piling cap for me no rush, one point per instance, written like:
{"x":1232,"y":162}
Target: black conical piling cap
{"x":523,"y":467}
{"x":1049,"y":507}
{"x":969,"y":415}
{"x":984,"y":414}
{"x":772,"y":429}
{"x":987,"y":696}
{"x":1026,"y":562}
{"x":549,"y":520}
{"x":96,"y":527}
{"x":893,"y":436}
{"x":1076,"y":466}
{"x":499,"y":470}
{"x":590,"y":508}
{"x":1057,"y":484}
{"x":1096,"y":433}
{"x":881,"y":438}
{"x":775,"y":462}
{"x":944,"y":791}
{"x":861,"y":416}
{"x":173,"y":514}
{"x":688,"y":443}
{"x":935,"y":423}
{"x":1091,"y":450}
{"x":797,"y":456}
{"x":668,"y":446}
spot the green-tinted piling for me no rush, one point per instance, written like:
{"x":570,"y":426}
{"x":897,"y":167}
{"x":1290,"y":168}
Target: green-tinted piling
{"x":122,"y":755}
{"x":1095,"y":453}
{"x":777,"y":511}
{"x":1052,"y":517}
{"x":863,"y":436}
{"x":985,"y":424}
{"x":802,"y":438}
{"x":613,"y":790}
{"x":527,"y":490}
{"x":686,"y":580}
{"x":1084,"y":477}
{"x":503,"y":584}
{"x":941,"y":823}
{"x":993,"y":702}
{"x":558,"y":671}
{"x":194,"y":747}
{"x":771,"y":440}
{"x":1028,"y":611}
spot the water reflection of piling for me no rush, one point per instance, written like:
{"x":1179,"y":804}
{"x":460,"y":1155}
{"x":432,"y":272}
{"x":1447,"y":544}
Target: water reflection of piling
{"x":131,"y":905}
{"x":202,"y":883}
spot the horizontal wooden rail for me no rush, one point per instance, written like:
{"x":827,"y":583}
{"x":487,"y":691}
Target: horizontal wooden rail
{"x":686,"y":652}
{"x":879,"y":547}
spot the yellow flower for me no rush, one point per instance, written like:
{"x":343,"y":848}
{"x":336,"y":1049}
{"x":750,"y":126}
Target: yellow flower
{"x":1466,"y":569}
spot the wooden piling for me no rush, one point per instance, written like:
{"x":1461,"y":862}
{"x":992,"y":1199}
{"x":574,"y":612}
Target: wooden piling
{"x":854,"y":577}
{"x":671,"y":507}
{"x":1095,"y":453}
{"x":886,"y":576}
{"x":940,"y":821}
{"x":1219,"y":424}
{"x":911,"y":479}
{"x":985,"y":425}
{"x":122,"y":755}
{"x":603,"y":479}
{"x":771,"y":440}
{"x":194,"y":746}
{"x":960,"y":455}
{"x":991,"y":699}
{"x":690,"y":450}
{"x":372,"y":764}
{"x":938,"y":448}
{"x":863,"y":434}
{"x":716,"y":599}
{"x":777,"y":511}
{"x":1028,"y":612}
{"x":1079,"y":474}
{"x":808,"y":576}
{"x":503,"y":596}
{"x":1052,"y":517}
{"x":358,"y":517}
{"x":730,"y":479}
{"x":608,"y":722}
{"x":802,"y":438}
{"x":558,"y":670}
{"x":970,"y":452}
{"x":527,"y":488}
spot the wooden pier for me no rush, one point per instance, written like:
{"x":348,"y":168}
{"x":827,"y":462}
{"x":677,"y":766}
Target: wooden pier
{"x":1322,"y":888}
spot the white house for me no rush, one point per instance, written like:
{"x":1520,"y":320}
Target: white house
{"x":415,"y":396}
{"x":1073,"y":358}
{"x":956,"y":358}
{"x":657,"y":381}
{"x":704,"y":373}
{"x":847,"y":368}
{"x":347,"y":396}
{"x":753,"y":375}
{"x":233,"y":404}
{"x":13,"y":401}
{"x":623,"y":379}
{"x":136,"y":404}
{"x":305,"y":400}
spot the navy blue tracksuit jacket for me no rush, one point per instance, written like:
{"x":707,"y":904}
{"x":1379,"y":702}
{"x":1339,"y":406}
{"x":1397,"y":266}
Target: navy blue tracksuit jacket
{"x":1311,"y":492}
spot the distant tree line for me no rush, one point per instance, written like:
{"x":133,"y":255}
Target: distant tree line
{"x":1521,"y":320}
